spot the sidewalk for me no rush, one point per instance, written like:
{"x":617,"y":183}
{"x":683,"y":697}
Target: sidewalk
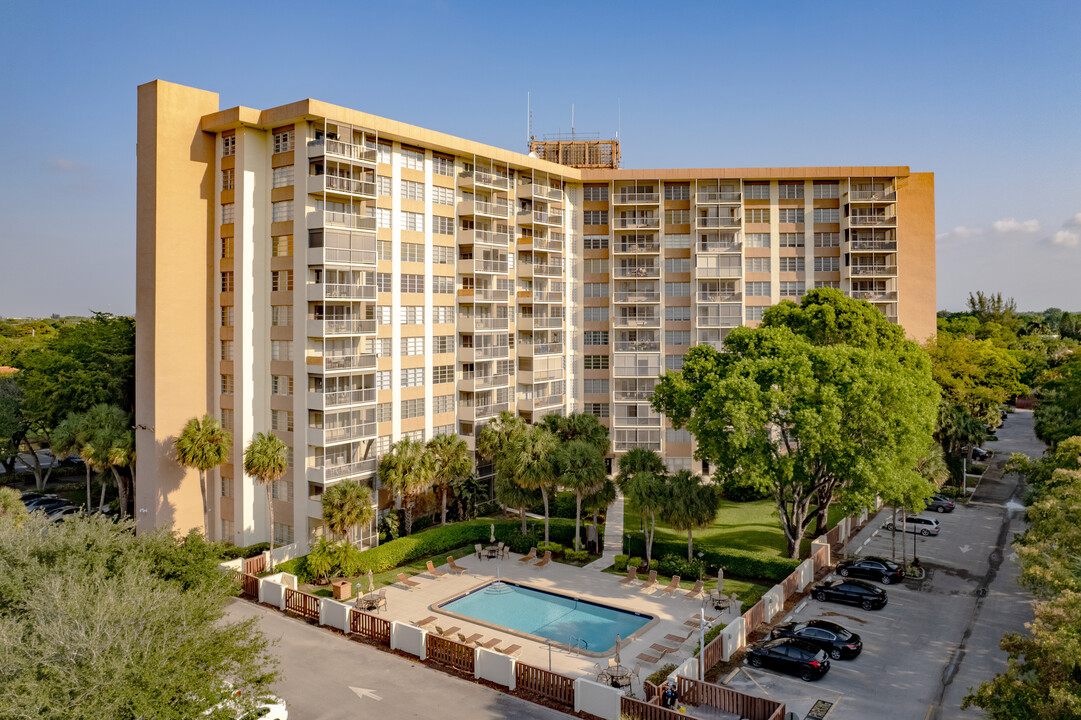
{"x":613,"y":535}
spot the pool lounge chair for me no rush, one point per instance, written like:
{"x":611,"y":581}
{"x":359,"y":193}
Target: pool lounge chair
{"x":488,"y":644}
{"x":652,"y":580}
{"x":512,"y":650}
{"x":409,"y":584}
{"x":425,"y":621}
{"x":433,"y":572}
{"x":449,"y":631}
{"x":672,"y":586}
{"x":696,"y":592}
{"x":531,"y":556}
{"x":468,"y":640}
{"x":547,"y":559}
{"x":454,"y":567}
{"x":647,"y":658}
{"x":677,"y":639}
{"x":632,"y":575}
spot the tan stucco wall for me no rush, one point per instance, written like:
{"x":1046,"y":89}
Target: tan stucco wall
{"x":916,"y":307}
{"x":174,"y":238}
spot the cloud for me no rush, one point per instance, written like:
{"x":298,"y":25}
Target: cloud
{"x":1070,"y":234}
{"x":960,"y":232}
{"x":63,"y":164}
{"x":1006,"y":226}
{"x":1011,"y":225}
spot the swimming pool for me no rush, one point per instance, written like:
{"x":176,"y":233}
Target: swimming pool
{"x":562,"y":619}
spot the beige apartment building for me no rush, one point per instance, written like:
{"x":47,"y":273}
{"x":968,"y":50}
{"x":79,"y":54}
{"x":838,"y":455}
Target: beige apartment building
{"x":344,"y":281}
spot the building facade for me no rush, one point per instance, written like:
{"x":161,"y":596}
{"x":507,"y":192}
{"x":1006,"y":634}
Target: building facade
{"x":344,"y":281}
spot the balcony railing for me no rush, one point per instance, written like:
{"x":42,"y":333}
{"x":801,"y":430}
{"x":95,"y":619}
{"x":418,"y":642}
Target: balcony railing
{"x":637,"y":248}
{"x":650,"y":221}
{"x":885,"y":195}
{"x":548,"y":270}
{"x":547,"y":348}
{"x":348,"y":397}
{"x":490,"y":352}
{"x":543,"y":192}
{"x":484,"y":237}
{"x":707,"y":196}
{"x":719,"y":297}
{"x":712,"y":221}
{"x":863,"y":270}
{"x":720,"y":247}
{"x":635,"y":198}
{"x":348,"y":433}
{"x":349,"y":362}
{"x":541,"y":296}
{"x":624,"y":421}
{"x":348,"y":291}
{"x":485,"y":323}
{"x":490,"y":266}
{"x":636,"y":271}
{"x":547,"y":244}
{"x":341,"y":327}
{"x":341,"y":256}
{"x":638,"y":321}
{"x":545,"y":323}
{"x":333,"y":472}
{"x":349,"y":220}
{"x":478,"y":412}
{"x":873,"y":295}
{"x":871,"y":220}
{"x":485,"y":382}
{"x":650,"y":370}
{"x":717,"y":321}
{"x":539,"y":216}
{"x":348,"y":185}
{"x":634,"y":394}
{"x":715,"y":271}
{"x":486,"y":295}
{"x":359,"y":153}
{"x":637,"y":297}
{"x":625,"y":445}
{"x":501,"y":182}
{"x":637,"y":346}
{"x":872,"y":245}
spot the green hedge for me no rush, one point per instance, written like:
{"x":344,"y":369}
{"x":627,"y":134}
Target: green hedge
{"x":619,"y":563}
{"x":738,"y":563}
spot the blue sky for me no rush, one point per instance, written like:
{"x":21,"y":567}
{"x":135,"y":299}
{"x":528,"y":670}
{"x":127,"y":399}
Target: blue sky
{"x":987,"y":95}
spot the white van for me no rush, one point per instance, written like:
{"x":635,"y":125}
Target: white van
{"x":916,"y":524}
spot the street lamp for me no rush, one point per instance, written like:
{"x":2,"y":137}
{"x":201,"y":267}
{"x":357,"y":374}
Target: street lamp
{"x":702,"y":625}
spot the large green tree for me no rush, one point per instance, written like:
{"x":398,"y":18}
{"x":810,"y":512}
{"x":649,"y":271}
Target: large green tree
{"x":691,"y":504}
{"x":826,"y":316}
{"x":266,"y":460}
{"x":527,"y":460}
{"x":579,"y":465}
{"x":643,"y":478}
{"x":452,"y":463}
{"x":345,"y":506}
{"x":203,"y":445}
{"x":408,"y":470}
{"x":109,"y":446}
{"x":578,"y":426}
{"x":1058,"y":411}
{"x":975,"y":375}
{"x":810,"y":423}
{"x":11,"y":422}
{"x":71,"y":437}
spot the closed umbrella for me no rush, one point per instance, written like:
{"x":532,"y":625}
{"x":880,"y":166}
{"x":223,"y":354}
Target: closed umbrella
{"x":371,"y":582}
{"x":720,"y":579}
{"x":618,"y":643}
{"x":492,"y":539}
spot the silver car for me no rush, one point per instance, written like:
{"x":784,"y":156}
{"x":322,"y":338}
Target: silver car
{"x":916,"y":524}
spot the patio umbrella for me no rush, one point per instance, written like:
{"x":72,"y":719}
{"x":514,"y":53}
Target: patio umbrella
{"x":618,"y":643}
{"x":371,"y":582}
{"x":493,"y":533}
{"x":720,"y":579}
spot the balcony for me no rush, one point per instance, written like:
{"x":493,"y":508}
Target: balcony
{"x":541,"y":296}
{"x":340,"y":398}
{"x":469,"y":323}
{"x":529,"y":404}
{"x":620,"y":446}
{"x":720,"y":246}
{"x":637,"y":296}
{"x":872,"y":245}
{"x":548,"y":244}
{"x":637,"y":346}
{"x":539,"y":217}
{"x":474,"y":266}
{"x":329,"y":328}
{"x":716,"y":197}
{"x":341,"y":256}
{"x":719,"y":297}
{"x":340,"y":291}
{"x":634,"y":395}
{"x":534,"y":350}
{"x":871,"y":220}
{"x":636,"y":271}
{"x":648,"y":421}
{"x":351,"y":221}
{"x":469,"y":180}
{"x":330,"y":436}
{"x":471,"y":413}
{"x":323,"y":475}
{"x":544,"y":193}
{"x":714,"y":221}
{"x":529,"y":377}
{"x":341,"y":363}
{"x":487,"y":295}
{"x":336,"y":185}
{"x":647,"y":321}
{"x":637,"y":370}
{"x":484,"y":237}
{"x":872,"y":270}
{"x":486,"y":352}
{"x":637,"y":198}
{"x":553,"y":271}
{"x":718,"y":271}
{"x":499,"y":210}
{"x":365,"y":154}
{"x":717,"y":321}
{"x":649,"y":222}
{"x":471,"y":382}
{"x":873,"y":295}
{"x":884,"y":195}
{"x":636,"y":248}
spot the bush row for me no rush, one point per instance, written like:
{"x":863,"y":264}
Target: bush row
{"x":739,"y":563}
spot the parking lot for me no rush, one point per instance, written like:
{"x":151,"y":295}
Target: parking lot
{"x":934,"y":640}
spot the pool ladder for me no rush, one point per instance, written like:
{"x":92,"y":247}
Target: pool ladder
{"x":578,"y":644}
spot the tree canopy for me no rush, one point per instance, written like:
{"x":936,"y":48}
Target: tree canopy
{"x":827,"y":317}
{"x":1058,"y":412}
{"x":975,"y":375}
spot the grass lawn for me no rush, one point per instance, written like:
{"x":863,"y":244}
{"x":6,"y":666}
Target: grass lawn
{"x":748,"y":592}
{"x":753,"y":526}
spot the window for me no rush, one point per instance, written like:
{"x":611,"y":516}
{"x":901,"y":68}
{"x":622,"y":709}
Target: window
{"x":595,"y":290}
{"x":281,"y":211}
{"x":226,"y":350}
{"x":383,"y":282}
{"x":414,"y":435}
{"x":595,"y":194}
{"x":791,"y":240}
{"x":756,"y":190}
{"x":442,"y":404}
{"x":677,"y":241}
{"x":791,"y":264}
{"x":596,"y":337}
{"x":675,"y":464}
{"x":227,"y":281}
{"x":673,"y":363}
{"x":595,"y":314}
{"x":281,"y":385}
{"x":382,"y":380}
{"x":442,"y":285}
{"x":827,"y":264}
{"x":227,"y":179}
{"x":677,"y":337}
{"x":228,"y":146}
{"x":677,"y":265}
{"x":282,"y":177}
{"x":595,"y":217}
{"x":412,"y":283}
{"x":757,"y":264}
{"x":383,"y":412}
{"x":413,"y":221}
{"x":830,"y":239}
{"x":598,"y":409}
{"x":281,"y":280}
{"x":227,"y":418}
{"x":754,"y":314}
{"x":412,"y":408}
{"x":677,"y":192}
{"x":384,"y":250}
{"x":382,"y":217}
{"x":790,"y":190}
{"x":595,"y":242}
{"x":283,"y":141}
{"x":442,"y":374}
{"x":281,"y":420}
{"x":281,"y":350}
{"x":677,"y":217}
{"x":443,"y":314}
{"x":677,"y":289}
{"x":281,"y":315}
{"x":676,"y":313}
{"x":381,"y":347}
{"x":283,"y":534}
{"x":281,"y":490}
{"x":790,"y":215}
{"x":227,"y":487}
{"x":825,"y":190}
{"x":226,"y":248}
{"x":442,"y":225}
{"x":412,"y":190}
{"x":412,"y":159}
{"x":595,"y":362}
{"x":385,"y":153}
{"x":757,"y":289}
{"x":382,"y":445}
{"x":412,"y":377}
{"x":412,"y":252}
{"x":383,"y":186}
{"x":412,"y":346}
{"x":677,"y":436}
{"x":443,"y":166}
{"x":596,"y":387}
{"x":227,"y":213}
{"x":442,"y":255}
{"x":227,"y":316}
{"x":757,"y":240}
{"x":793,"y":289}
{"x":443,"y":344}
{"x":596,"y":265}
{"x":835,"y":284}
{"x":226,"y":384}
{"x":758,"y":215}
{"x":827,"y":215}
{"x":411,"y":315}
{"x":281,"y":246}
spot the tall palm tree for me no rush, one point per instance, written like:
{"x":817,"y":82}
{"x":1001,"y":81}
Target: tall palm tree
{"x":579,"y":465}
{"x":345,"y":506}
{"x":265,"y":460}
{"x":511,"y":494}
{"x":638,"y":460}
{"x":203,"y":445}
{"x":649,"y":493}
{"x":70,"y":436}
{"x":407,"y":469}
{"x":453,"y":462}
{"x":578,"y":426}
{"x":599,"y":500}
{"x":957,"y":428}
{"x":528,"y":460}
{"x":109,"y":446}
{"x":492,"y":440}
{"x":691,"y":504}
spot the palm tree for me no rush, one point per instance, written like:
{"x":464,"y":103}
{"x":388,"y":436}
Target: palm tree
{"x":407,"y":469}
{"x":578,"y":426}
{"x":453,"y":462}
{"x":638,"y":460}
{"x":648,"y":492}
{"x":345,"y":506}
{"x":599,"y":500}
{"x":511,"y":494}
{"x":957,"y":428}
{"x":203,"y":445}
{"x":109,"y":446}
{"x":492,"y":440}
{"x":528,"y":460}
{"x":691,"y":504}
{"x":265,"y":460}
{"x":70,"y":436}
{"x":580,"y":467}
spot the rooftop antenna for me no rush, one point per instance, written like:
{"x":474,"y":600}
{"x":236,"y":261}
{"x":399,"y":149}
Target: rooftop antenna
{"x":619,"y":117}
{"x":572,"y":121}
{"x":528,"y":122}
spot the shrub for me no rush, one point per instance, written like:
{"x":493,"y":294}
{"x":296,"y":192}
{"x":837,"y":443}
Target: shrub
{"x":662,"y":673}
{"x":739,"y":489}
{"x":230,"y":551}
{"x":653,"y":564}
{"x":688,"y":569}
{"x":619,"y":563}
{"x":711,"y":635}
{"x":635,"y":562}
{"x":576,"y":555}
{"x":297,"y":566}
{"x":738,"y":563}
{"x":554,"y":547}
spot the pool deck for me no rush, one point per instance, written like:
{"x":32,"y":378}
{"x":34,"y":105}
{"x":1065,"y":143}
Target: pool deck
{"x":671,"y":611}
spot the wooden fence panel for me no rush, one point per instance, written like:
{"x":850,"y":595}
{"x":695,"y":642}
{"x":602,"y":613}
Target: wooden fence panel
{"x":728,"y":700}
{"x":755,"y":616}
{"x":713,"y":653}
{"x":553,"y":686}
{"x":452,"y":653}
{"x":638,"y":710}
{"x":370,"y":626}
{"x":791,"y":585}
{"x":302,"y":604}
{"x":249,"y":586}
{"x":820,"y":559}
{"x":255,"y":565}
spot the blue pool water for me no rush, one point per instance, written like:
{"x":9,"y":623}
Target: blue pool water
{"x":556,"y":617}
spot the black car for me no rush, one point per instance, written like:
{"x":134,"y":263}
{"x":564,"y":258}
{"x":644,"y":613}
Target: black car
{"x":28,"y":497}
{"x":940,"y":503}
{"x":791,"y":656}
{"x":872,"y":568}
{"x":45,"y":501}
{"x":838,"y":642}
{"x":62,"y":512}
{"x":980,"y":454}
{"x":851,"y":592}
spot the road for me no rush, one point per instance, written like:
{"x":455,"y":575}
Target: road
{"x":319,"y":670}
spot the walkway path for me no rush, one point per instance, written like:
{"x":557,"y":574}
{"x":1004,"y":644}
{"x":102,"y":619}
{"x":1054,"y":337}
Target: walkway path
{"x":613,"y":535}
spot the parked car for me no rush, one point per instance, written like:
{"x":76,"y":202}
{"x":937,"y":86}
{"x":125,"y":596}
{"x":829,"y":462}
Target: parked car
{"x":980,"y":454}
{"x":791,"y":656}
{"x":63,"y":512}
{"x":34,"y":502}
{"x":851,"y":592}
{"x":47,"y":505}
{"x":27,"y":497}
{"x":916,"y":524}
{"x":872,"y":568}
{"x":835,"y":640}
{"x":940,"y":503}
